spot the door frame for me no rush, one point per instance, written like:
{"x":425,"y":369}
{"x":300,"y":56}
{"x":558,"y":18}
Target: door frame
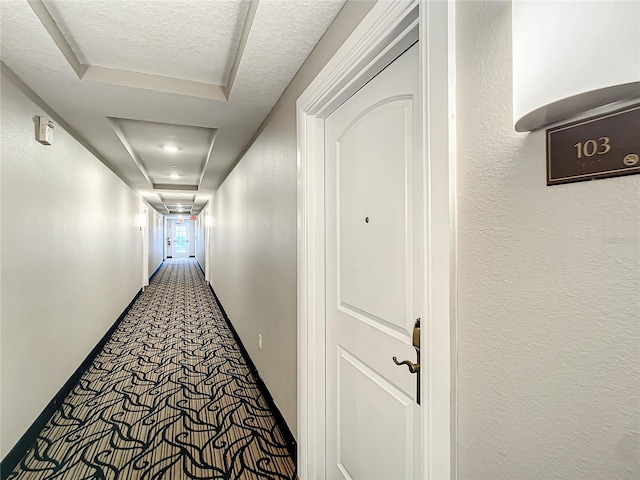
{"x":187,"y":224}
{"x":388,"y":29}
{"x":144,"y":229}
{"x":208,"y":225}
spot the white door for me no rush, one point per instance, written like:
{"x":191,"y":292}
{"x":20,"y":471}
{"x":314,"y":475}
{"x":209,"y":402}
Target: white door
{"x":181,"y":240}
{"x":373,"y":272}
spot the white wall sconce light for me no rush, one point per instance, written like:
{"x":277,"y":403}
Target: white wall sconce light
{"x":141,"y":220}
{"x":572,"y":57}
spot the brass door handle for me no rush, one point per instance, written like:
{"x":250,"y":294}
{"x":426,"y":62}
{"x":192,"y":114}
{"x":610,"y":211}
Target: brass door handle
{"x":413,"y":367}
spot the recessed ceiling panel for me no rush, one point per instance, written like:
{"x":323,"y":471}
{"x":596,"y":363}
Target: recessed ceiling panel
{"x":179,"y":209}
{"x":175,"y":155}
{"x":177,"y":198}
{"x":191,"y":40}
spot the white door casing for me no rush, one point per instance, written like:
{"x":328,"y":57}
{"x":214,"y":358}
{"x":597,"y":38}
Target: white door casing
{"x":373,"y":273}
{"x":388,"y":30}
{"x":207,"y":242}
{"x":166,"y":235}
{"x":144,"y":229}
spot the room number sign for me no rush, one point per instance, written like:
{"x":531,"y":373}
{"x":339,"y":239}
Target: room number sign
{"x":606,"y":145}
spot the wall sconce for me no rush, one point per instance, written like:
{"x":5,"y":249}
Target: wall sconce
{"x":208,"y":221}
{"x":572,"y":57}
{"x":141,"y":220}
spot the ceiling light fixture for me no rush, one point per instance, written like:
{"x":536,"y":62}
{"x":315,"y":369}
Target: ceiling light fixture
{"x":170,"y":148}
{"x":174,"y":175}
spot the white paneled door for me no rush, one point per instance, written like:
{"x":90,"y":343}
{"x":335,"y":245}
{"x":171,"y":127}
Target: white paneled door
{"x":373,"y":277}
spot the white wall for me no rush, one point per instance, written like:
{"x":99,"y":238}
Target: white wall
{"x":549,"y":290}
{"x":253,"y":246}
{"x":71,"y":259}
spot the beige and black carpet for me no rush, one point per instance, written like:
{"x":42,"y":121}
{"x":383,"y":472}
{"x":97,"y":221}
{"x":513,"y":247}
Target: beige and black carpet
{"x":169,"y":397}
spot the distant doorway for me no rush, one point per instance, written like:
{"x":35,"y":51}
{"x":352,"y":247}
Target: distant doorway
{"x":180,"y":236}
{"x":181,"y":240}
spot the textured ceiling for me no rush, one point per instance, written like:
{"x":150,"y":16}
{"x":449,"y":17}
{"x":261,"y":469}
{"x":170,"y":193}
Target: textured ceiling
{"x":193,"y":40}
{"x":282,"y":35}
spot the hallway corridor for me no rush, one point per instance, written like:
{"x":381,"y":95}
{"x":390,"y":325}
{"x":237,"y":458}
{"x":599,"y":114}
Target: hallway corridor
{"x":169,"y":397}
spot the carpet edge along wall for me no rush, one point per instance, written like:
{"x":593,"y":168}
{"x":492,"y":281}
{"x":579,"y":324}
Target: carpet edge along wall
{"x":168,"y":394}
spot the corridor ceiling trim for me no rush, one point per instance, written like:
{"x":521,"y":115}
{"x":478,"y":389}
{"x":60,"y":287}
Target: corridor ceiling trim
{"x":144,"y":141}
{"x":174,"y":208}
{"x":169,"y":186}
{"x":127,"y":146}
{"x":146,"y":81}
{"x":175,"y":202}
{"x":184,"y":198}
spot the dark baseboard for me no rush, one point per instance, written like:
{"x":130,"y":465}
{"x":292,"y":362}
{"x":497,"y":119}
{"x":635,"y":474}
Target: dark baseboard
{"x":27,"y":440}
{"x":281,"y":422}
{"x":20,"y":449}
{"x":157,"y":270}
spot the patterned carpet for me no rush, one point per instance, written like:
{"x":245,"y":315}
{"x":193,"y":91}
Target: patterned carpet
{"x":169,"y":397}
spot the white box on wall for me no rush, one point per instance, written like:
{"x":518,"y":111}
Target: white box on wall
{"x":45,"y":131}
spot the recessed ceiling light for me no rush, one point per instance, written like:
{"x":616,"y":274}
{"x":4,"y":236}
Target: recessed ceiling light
{"x":170,"y":148}
{"x":174,"y":175}
{"x":179,"y":206}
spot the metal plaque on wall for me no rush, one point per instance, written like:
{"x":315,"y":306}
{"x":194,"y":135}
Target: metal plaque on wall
{"x":606,"y":145}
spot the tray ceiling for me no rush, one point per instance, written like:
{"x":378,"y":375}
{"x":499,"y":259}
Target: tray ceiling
{"x":129,"y":76}
{"x":165,"y":153}
{"x":181,"y":39}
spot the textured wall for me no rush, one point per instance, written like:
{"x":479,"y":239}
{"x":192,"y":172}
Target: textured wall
{"x":549,"y":290}
{"x":253,"y":247}
{"x":71,"y":259}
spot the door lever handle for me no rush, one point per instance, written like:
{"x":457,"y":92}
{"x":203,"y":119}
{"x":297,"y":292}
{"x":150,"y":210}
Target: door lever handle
{"x":413,"y":367}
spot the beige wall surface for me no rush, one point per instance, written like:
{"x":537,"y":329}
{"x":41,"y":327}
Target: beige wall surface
{"x":253,"y":246}
{"x":549,"y":282}
{"x":71,"y":259}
